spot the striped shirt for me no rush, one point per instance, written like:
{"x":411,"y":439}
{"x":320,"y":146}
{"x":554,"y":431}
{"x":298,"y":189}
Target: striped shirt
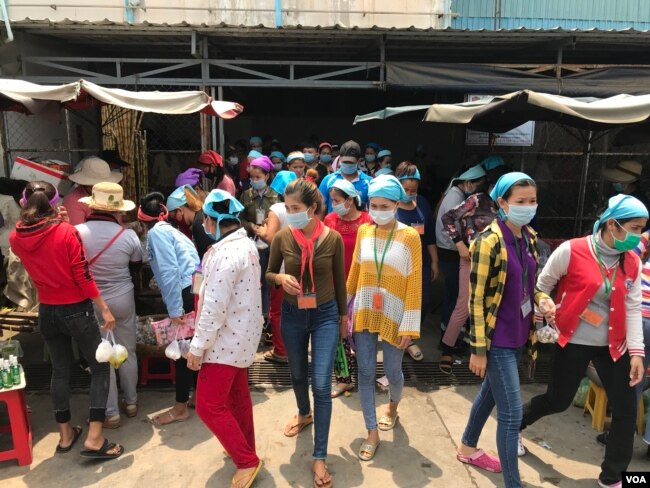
{"x":401,"y":282}
{"x":642,"y":249}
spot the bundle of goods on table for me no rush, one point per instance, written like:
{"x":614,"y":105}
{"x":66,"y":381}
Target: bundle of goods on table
{"x":52,"y":171}
{"x":10,"y":373}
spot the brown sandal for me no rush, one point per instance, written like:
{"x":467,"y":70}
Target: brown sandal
{"x":318,"y":480}
{"x":295,"y":427}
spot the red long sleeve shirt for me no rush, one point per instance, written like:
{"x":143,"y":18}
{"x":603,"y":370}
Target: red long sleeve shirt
{"x":53,"y":255}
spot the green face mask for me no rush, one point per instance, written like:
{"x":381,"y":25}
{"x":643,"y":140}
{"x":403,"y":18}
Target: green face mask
{"x":630,"y":242}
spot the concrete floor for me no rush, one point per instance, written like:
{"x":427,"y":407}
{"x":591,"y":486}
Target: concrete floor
{"x":418,"y":453}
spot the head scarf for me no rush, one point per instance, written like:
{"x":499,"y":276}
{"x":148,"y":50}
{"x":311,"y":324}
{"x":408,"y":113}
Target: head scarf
{"x":384,"y":171}
{"x":383,"y":153}
{"x":264,"y":163}
{"x":324,"y":144}
{"x":295,"y":155}
{"x":504,"y":183}
{"x":211,"y":158}
{"x":281,"y":180}
{"x":492,"y":162}
{"x":414,"y":176}
{"x":255,"y":140}
{"x":192,"y":177}
{"x":621,"y":207}
{"x":348,"y":188}
{"x":386,"y":186}
{"x":254,"y":154}
{"x":162,"y":216}
{"x":279,"y":155}
{"x":177,"y":198}
{"x":234,"y":208}
{"x":373,"y":145}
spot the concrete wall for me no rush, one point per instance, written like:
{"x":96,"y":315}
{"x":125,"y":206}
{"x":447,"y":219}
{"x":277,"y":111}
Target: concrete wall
{"x":349,"y":13}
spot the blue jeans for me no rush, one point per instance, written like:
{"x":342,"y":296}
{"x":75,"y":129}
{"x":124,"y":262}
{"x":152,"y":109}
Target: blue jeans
{"x":501,"y":388}
{"x":366,"y":349}
{"x":322,"y":325}
{"x":646,"y":362}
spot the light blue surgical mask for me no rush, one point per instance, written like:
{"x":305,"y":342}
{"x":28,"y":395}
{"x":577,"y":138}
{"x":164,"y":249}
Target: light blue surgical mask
{"x":410,"y":198}
{"x":298,"y":220}
{"x":326,"y":158}
{"x":211,"y":235}
{"x":309,"y":158}
{"x":278,"y":166}
{"x":341,"y":210}
{"x":370,"y":158}
{"x":258,"y":184}
{"x":618,"y":187}
{"x":348,"y":168}
{"x":521,"y":215}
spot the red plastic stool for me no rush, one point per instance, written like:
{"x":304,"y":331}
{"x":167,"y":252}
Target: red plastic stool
{"x":21,"y":431}
{"x":146,"y":375}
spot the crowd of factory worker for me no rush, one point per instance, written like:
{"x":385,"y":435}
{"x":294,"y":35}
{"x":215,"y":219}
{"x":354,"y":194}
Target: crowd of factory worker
{"x":329,"y":253}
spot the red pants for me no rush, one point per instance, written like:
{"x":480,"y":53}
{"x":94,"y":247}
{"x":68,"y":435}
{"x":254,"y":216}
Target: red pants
{"x":223,"y":403}
{"x":275,"y":314}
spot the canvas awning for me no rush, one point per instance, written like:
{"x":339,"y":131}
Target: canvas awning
{"x":30,"y":98}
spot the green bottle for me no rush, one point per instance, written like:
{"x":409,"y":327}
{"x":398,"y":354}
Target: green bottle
{"x":6,"y":376}
{"x":15,"y":371}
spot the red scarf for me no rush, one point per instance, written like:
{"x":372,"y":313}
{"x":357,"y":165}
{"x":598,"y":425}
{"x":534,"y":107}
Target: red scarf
{"x":308,"y":248}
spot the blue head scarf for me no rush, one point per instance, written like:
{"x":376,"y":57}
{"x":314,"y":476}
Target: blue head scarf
{"x":473,"y":173}
{"x":279,"y":155}
{"x":255,"y":140}
{"x":234,"y":208}
{"x":177,"y":198}
{"x":384,"y":171}
{"x":386,"y":186}
{"x":281,"y":180}
{"x":384,"y":152}
{"x":492,"y":162}
{"x":504,"y":183}
{"x":348,"y":188}
{"x":374,"y":146}
{"x":621,"y":207}
{"x":414,"y":176}
{"x":254,"y":154}
{"x":295,"y":155}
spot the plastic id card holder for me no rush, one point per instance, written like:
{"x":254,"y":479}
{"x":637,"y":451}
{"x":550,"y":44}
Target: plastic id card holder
{"x":526,"y":307}
{"x":419,"y":226}
{"x":378,"y":299}
{"x":592,"y":318}
{"x":197,"y":281}
{"x":259,"y":216}
{"x":307,"y":301}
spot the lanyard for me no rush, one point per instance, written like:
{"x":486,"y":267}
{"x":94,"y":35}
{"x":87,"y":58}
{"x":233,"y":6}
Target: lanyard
{"x":609,"y":283}
{"x":260,"y":198}
{"x":522,"y":260}
{"x":380,"y":266}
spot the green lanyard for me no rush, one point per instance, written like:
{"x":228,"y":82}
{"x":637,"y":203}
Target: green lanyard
{"x":524,"y":265}
{"x":380,"y":266}
{"x":609,"y":283}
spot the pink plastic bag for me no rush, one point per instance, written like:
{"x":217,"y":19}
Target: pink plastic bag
{"x":166,"y":332}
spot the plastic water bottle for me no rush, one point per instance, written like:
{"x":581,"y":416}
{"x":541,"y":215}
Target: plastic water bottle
{"x":15,"y":371}
{"x":6,"y":375}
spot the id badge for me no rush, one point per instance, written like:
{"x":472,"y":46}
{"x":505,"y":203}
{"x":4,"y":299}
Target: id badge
{"x":197,"y":281}
{"x":419,"y":226}
{"x":259,"y":216}
{"x":307,"y":301}
{"x":526,"y":307}
{"x":592,"y":318}
{"x":378,"y":300}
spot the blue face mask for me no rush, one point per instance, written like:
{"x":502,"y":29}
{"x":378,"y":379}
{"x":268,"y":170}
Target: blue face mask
{"x":298,"y":220}
{"x":340,"y":209}
{"x":410,"y":198}
{"x":619,"y":187}
{"x":348,"y":168}
{"x":258,"y":184}
{"x":326,"y":158}
{"x":521,"y":215}
{"x":210,"y":235}
{"x":370,"y":158}
{"x":309,"y":158}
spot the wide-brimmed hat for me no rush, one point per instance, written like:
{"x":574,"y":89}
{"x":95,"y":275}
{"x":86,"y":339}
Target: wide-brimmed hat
{"x":93,"y":170}
{"x":108,"y":197}
{"x":625,"y":172}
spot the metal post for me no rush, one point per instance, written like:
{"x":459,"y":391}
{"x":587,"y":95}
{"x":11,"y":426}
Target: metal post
{"x":382,"y":62}
{"x":586,"y":157}
{"x":8,"y":163}
{"x":222,"y":136}
{"x":213,"y":125}
{"x":69,"y":138}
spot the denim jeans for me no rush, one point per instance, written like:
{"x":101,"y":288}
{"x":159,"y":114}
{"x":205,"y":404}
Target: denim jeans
{"x":322,"y":326}
{"x":646,"y":363}
{"x":366,"y":349}
{"x":501,"y":388}
{"x":60,"y":324}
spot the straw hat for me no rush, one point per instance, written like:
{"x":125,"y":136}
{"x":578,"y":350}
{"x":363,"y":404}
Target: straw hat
{"x":93,"y":170}
{"x":108,"y":197}
{"x":625,"y":172}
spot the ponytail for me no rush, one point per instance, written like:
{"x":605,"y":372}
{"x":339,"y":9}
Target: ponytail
{"x":37,"y":202}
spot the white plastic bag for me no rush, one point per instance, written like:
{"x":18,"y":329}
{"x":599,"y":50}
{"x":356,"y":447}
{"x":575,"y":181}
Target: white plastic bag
{"x":547,"y":334}
{"x":184,"y":346}
{"x":173,"y":350}
{"x":104,"y":352}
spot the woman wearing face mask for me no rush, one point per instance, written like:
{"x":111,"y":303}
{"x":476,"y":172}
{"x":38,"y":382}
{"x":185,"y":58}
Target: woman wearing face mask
{"x":257,"y":201}
{"x":460,"y":188}
{"x":211,"y":163}
{"x":385,"y":162}
{"x":415,"y":212}
{"x":369,"y":164}
{"x":296,"y":163}
{"x":602,"y":272}
{"x":278,"y":159}
{"x":314,"y":307}
{"x":184,"y":206}
{"x":502,"y":284}
{"x":348,"y":215}
{"x":325,"y":155}
{"x":348,"y":169}
{"x":385,"y":282}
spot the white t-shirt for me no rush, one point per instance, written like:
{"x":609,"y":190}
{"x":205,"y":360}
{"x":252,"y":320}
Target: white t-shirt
{"x":111,"y":269}
{"x":281,"y":211}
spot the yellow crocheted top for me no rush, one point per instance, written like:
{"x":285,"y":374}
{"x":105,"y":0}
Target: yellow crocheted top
{"x":400,"y":287}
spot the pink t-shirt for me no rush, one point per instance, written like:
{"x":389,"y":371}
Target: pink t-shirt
{"x":227,"y":185}
{"x":77,"y":211}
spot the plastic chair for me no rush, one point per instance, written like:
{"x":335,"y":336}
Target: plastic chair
{"x":21,"y":431}
{"x":596,"y":405}
{"x":146,"y":362}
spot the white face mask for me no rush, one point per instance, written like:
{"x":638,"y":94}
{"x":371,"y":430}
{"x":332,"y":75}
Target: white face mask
{"x":382,"y":217}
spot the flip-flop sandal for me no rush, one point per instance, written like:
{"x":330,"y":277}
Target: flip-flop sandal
{"x":76,"y":433}
{"x":251,"y":477}
{"x":156,"y":420}
{"x":481,"y":459}
{"x":318,"y":480}
{"x":445,"y":366}
{"x":369,"y":450}
{"x":337,"y":391}
{"x":272,"y":357}
{"x":415,"y":352}
{"x":291,"y":432}
{"x":131,"y":410}
{"x":386,"y":422}
{"x":102,"y":454}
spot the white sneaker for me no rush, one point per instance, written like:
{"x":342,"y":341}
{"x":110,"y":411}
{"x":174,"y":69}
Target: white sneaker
{"x":521,"y":449}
